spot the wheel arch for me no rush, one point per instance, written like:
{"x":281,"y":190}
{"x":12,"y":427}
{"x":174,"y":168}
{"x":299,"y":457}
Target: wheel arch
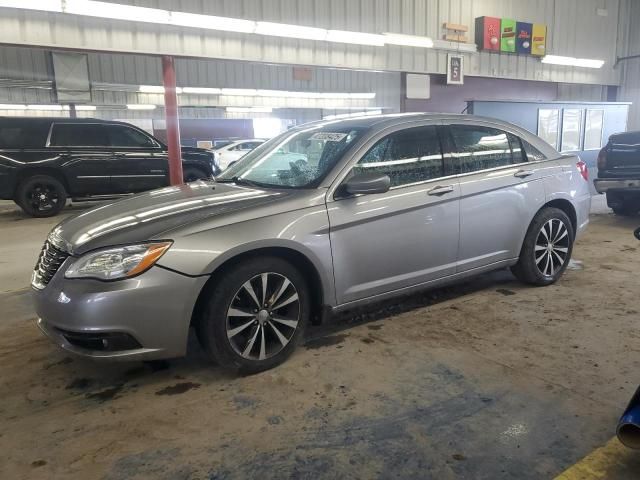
{"x":292,"y":255}
{"x":28,"y":172}
{"x":567,"y":207}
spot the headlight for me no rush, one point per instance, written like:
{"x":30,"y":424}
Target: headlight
{"x":118,"y":262}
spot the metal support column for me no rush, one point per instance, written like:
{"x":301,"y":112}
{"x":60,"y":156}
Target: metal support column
{"x":173,"y":123}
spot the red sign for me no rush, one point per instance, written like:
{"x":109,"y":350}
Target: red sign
{"x":488,"y":33}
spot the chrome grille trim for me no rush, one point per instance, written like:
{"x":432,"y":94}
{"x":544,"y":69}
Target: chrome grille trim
{"x":49,"y":261}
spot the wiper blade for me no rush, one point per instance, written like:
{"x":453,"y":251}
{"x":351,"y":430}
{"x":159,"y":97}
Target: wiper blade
{"x":243,"y":181}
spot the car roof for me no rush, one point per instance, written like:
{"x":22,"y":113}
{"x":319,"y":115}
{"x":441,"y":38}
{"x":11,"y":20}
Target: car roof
{"x":389,"y":120}
{"x":48,"y":120}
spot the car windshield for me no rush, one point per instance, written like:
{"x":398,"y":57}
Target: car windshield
{"x":297,"y":159}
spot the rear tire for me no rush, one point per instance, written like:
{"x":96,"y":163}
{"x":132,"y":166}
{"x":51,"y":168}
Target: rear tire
{"x":41,"y":196}
{"x":547,"y":247}
{"x":248,"y":327}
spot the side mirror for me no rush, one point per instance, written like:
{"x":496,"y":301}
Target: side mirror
{"x":365,"y":184}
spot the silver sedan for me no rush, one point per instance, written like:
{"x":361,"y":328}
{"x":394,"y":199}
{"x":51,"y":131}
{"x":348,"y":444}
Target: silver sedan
{"x":324,"y":217}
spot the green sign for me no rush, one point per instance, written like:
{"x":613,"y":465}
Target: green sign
{"x":507,"y":35}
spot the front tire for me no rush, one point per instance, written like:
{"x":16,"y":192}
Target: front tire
{"x":256,"y":314}
{"x":547,"y":248}
{"x":41,"y":196}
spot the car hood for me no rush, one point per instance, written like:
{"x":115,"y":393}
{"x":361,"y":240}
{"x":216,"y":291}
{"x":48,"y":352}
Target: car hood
{"x":151,"y":214}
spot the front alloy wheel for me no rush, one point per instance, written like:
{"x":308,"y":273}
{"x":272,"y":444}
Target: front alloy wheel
{"x":254,"y":313}
{"x":263,"y":316}
{"x":552,"y":247}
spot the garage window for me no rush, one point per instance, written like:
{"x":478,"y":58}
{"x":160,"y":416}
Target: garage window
{"x":407,"y":157}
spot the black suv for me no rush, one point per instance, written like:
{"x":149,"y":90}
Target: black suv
{"x":43,"y":161}
{"x":619,"y":173}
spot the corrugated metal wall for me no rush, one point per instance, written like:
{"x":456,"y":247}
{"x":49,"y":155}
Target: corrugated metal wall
{"x":630,"y":45}
{"x":26,"y":78}
{"x":575,"y":29}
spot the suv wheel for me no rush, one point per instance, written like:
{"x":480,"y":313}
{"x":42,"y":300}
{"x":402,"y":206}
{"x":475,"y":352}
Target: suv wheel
{"x":256,"y":315}
{"x":41,"y":196}
{"x":547,"y":248}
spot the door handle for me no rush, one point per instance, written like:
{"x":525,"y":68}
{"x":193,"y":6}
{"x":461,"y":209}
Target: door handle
{"x":523,"y":173}
{"x":440,"y":190}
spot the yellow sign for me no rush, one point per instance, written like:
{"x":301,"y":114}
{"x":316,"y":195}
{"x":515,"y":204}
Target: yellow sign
{"x":539,"y":40}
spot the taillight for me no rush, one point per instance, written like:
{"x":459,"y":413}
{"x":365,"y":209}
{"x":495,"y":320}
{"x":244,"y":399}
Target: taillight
{"x":602,"y":159}
{"x":582,"y":168}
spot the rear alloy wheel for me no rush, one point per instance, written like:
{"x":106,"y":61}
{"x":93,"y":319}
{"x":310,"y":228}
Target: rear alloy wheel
{"x":547,"y":248}
{"x":552,"y":247}
{"x":256,"y":314}
{"x":41,"y":196}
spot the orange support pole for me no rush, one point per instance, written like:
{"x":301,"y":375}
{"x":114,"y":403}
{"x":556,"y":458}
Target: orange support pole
{"x":173,"y":122}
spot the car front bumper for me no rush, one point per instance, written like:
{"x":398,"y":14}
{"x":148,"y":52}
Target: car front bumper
{"x":142,"y":318}
{"x":603,"y":185}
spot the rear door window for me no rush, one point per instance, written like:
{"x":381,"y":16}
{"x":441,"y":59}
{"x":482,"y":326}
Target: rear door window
{"x":408,"y":156}
{"x":532,"y":154}
{"x":127,"y":137}
{"x":23,"y":135}
{"x":481,"y":148}
{"x":78,"y":135}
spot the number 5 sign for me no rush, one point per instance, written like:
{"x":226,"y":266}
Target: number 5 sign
{"x":455,"y":74}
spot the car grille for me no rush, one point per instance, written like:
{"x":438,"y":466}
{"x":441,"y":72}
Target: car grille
{"x":48,"y":264}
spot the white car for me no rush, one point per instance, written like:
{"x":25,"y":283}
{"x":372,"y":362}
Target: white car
{"x":233,"y":151}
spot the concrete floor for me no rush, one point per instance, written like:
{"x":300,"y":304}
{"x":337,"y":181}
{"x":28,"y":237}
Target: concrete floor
{"x":489,"y":379}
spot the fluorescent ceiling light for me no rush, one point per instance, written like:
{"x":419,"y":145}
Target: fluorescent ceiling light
{"x":12,"y":107}
{"x":140,"y":106}
{"x":572,"y":61}
{"x":290,"y":31}
{"x":155,"y":89}
{"x":357,"y":38}
{"x":116,"y":11}
{"x":201,"y":91}
{"x":249,"y":92}
{"x":45,"y":107}
{"x":81,"y":108}
{"x":212,"y":22}
{"x":355,"y":114}
{"x":43,"y":5}
{"x":249,"y":109}
{"x":151,"y":89}
{"x":407,"y":40}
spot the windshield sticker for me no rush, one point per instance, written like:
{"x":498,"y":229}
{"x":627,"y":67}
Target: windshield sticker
{"x":328,"y":136}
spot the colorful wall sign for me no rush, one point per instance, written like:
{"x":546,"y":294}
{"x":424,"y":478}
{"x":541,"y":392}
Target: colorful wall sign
{"x":488,"y":33}
{"x":510,"y":36}
{"x":507,"y":35}
{"x":539,"y":39}
{"x":523,"y":37}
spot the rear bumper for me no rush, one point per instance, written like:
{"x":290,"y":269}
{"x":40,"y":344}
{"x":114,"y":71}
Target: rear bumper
{"x":603,"y":185}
